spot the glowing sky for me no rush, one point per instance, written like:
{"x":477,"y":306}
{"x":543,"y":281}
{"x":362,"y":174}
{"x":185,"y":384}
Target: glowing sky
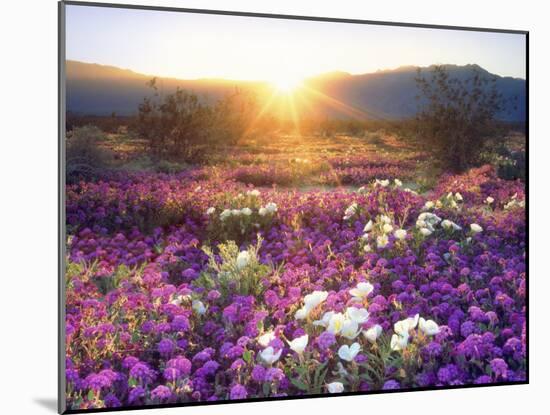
{"x":191,"y":46}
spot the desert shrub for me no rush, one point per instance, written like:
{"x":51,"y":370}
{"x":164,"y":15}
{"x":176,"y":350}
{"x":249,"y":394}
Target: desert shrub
{"x":85,"y":158}
{"x":165,"y":166}
{"x":149,"y":164}
{"x":240,"y":217}
{"x":512,"y":166}
{"x":173,"y":123}
{"x":327,"y":128}
{"x":233,"y":117}
{"x":180,"y":126}
{"x":112,"y":123}
{"x":374,"y":138}
{"x":236,"y":272}
{"x":458,"y":117}
{"x":141,"y":163}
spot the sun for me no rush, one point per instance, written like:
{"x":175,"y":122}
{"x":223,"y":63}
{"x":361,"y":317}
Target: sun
{"x":286,"y":85}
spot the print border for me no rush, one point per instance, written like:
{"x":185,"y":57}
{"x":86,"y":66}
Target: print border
{"x":61,"y":197}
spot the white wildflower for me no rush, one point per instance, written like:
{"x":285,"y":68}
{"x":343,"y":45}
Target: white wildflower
{"x":225,"y":214}
{"x":335,"y":387}
{"x":271,"y":207}
{"x":350,"y":329}
{"x":269,"y":356}
{"x":373,"y":333}
{"x":350,"y":211}
{"x":315,"y":298}
{"x":447,"y":224}
{"x":266,"y":338}
{"x":359,"y":315}
{"x":384,"y":219}
{"x":400,"y":234}
{"x":325,"y":320}
{"x":425,"y":231}
{"x":310,"y":302}
{"x":198,"y":307}
{"x":368,"y":226}
{"x":336,"y":323}
{"x":387,"y":228}
{"x":362,"y":290}
{"x":242,"y":259}
{"x":475,"y":228}
{"x":399,"y":342}
{"x":403,"y":327}
{"x":299,"y":344}
{"x":348,"y":353}
{"x":428,"y":327}
{"x":382,"y":241}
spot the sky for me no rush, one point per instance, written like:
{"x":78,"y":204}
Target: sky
{"x":194,"y":46}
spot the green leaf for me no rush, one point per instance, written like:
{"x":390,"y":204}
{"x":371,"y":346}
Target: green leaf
{"x":91,"y":395}
{"x":132,"y":382}
{"x":299,"y":384}
{"x":247,"y":356}
{"x":319,"y":374}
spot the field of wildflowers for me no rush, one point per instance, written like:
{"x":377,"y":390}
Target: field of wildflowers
{"x":290,"y":271}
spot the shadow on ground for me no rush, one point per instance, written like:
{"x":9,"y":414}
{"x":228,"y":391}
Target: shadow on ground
{"x":48,"y":403}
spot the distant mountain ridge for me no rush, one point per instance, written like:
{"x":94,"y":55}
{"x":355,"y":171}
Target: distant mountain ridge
{"x":94,"y":89}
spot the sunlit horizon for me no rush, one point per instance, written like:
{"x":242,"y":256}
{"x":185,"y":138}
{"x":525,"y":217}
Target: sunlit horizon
{"x":280,"y":51}
{"x":281,"y":83}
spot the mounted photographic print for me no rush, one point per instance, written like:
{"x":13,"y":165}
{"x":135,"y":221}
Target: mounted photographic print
{"x":260,"y":207}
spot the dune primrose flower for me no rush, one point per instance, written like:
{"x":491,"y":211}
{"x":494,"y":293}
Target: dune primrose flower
{"x":348,"y":353}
